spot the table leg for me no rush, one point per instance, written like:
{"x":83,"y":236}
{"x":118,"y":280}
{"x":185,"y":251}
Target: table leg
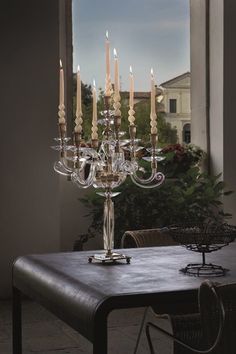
{"x":16,"y":322}
{"x":100,"y":339}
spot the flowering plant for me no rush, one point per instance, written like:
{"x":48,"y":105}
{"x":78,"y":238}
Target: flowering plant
{"x":178,"y":159}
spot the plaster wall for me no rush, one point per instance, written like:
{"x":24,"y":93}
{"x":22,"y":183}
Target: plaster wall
{"x":73,"y":217}
{"x":216,"y":85}
{"x":29,"y":210}
{"x":219,"y":137}
{"x":183,"y":100}
{"x":199,"y":104}
{"x":183,"y":115}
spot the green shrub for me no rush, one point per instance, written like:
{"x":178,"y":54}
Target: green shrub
{"x":191,"y":197}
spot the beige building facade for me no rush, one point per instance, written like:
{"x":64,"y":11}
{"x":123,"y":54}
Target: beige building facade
{"x":176,"y":105}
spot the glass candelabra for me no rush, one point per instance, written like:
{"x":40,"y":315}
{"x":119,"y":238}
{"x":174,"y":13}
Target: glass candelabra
{"x":105,"y":165}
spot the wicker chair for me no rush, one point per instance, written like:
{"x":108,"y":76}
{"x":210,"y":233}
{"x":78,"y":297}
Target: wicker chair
{"x":212,"y":330}
{"x":147,"y":238}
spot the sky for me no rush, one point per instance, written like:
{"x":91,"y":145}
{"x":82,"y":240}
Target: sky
{"x":146,"y":34}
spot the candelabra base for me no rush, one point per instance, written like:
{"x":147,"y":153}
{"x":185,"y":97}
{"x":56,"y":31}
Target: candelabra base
{"x":109,"y":257}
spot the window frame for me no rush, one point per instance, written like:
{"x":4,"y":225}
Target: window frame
{"x":173,"y":109}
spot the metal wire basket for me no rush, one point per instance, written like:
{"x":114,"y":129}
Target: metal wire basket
{"x":203,"y":238}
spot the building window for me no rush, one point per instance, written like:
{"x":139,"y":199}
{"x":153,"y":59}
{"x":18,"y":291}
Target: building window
{"x":187,"y":134}
{"x":173,"y":105}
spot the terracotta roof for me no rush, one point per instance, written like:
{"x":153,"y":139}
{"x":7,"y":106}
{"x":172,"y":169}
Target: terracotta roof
{"x":139,"y":94}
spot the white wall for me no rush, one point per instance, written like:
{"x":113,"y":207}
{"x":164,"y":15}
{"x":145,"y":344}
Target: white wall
{"x":185,"y":104}
{"x":199,"y":104}
{"x":216,"y":85}
{"x":182,"y":97}
{"x":221,"y":142}
{"x":183,"y":114}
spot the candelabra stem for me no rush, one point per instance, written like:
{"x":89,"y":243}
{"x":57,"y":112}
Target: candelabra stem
{"x":132,"y":133}
{"x":108,"y":234}
{"x":108,"y":224}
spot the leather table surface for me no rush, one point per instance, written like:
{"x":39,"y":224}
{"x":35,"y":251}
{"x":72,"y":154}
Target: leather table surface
{"x":82,"y":293}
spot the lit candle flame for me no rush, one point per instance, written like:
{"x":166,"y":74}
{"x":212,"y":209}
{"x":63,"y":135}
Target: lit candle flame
{"x":94,"y":83}
{"x":60,"y":64}
{"x":115,"y":53}
{"x":152,"y":72}
{"x":130,"y":70}
{"x":78,"y":68}
{"x":107,"y":35}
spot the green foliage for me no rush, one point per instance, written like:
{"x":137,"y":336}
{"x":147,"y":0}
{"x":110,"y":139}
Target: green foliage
{"x":166,"y":134}
{"x":192,"y":197}
{"x":86,"y":97}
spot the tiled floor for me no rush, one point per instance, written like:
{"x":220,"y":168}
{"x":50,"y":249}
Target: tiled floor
{"x":45,"y":334}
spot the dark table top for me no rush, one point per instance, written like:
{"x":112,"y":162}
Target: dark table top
{"x":81,"y":293}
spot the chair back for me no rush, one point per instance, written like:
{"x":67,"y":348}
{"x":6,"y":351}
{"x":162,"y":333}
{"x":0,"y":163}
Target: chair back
{"x":211,"y":308}
{"x":147,"y":238}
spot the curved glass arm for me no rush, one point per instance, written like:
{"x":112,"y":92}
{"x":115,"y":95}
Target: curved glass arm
{"x":80,"y":181}
{"x":156,"y":177}
{"x":62,"y":169}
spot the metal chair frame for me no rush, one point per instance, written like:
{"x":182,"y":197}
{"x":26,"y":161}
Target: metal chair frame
{"x":150,"y":325}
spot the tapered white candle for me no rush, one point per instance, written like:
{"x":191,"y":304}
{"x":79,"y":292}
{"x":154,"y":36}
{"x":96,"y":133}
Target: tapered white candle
{"x":108,"y":71}
{"x":79,"y":114}
{"x":78,"y":96}
{"x":61,"y":93}
{"x":153,"y":115}
{"x":131,"y":112}
{"x":94,"y":120}
{"x":61,"y":112}
{"x":117,"y":104}
{"x":116,"y":73}
{"x":152,"y":92}
{"x":131,"y":92}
